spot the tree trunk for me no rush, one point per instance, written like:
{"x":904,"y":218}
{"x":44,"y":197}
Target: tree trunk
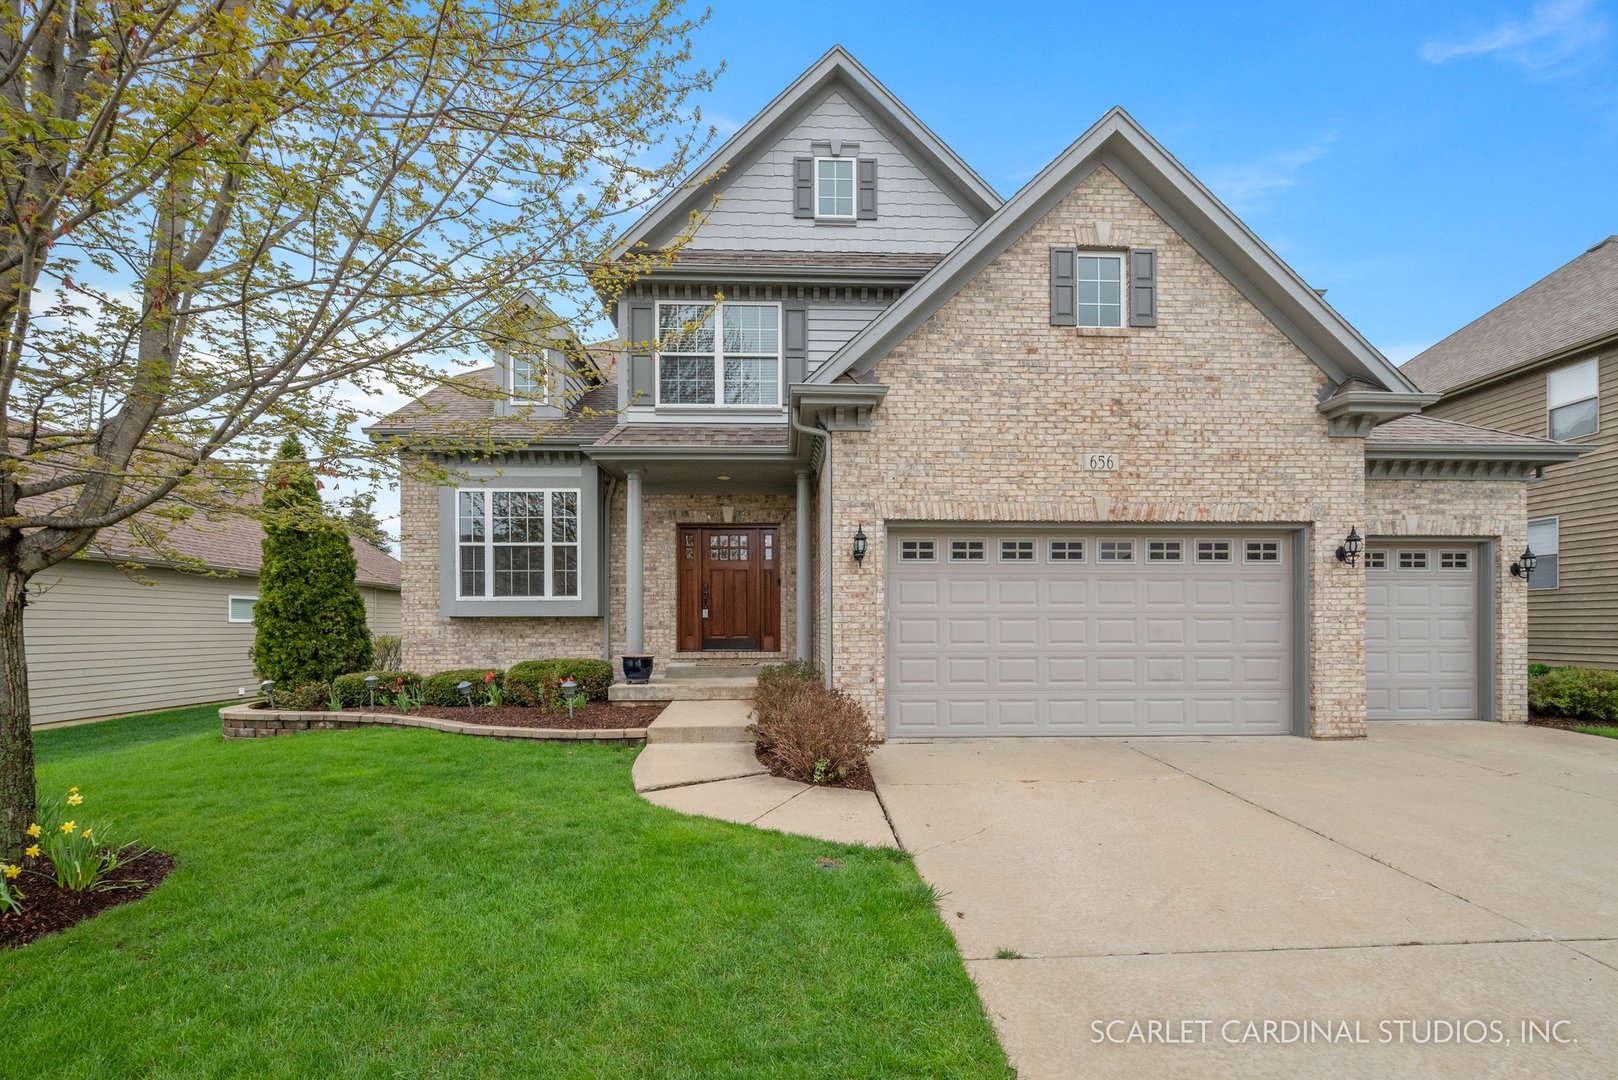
{"x":17,"y":785}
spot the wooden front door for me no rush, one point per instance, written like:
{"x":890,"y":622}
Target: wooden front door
{"x":729,"y":587}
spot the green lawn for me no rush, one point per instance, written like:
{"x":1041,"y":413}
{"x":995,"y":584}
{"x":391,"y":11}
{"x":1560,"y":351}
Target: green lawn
{"x":390,"y":902}
{"x":1606,"y":731}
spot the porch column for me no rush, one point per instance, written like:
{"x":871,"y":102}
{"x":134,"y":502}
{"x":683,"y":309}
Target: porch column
{"x":804,"y":589}
{"x":634,"y":569}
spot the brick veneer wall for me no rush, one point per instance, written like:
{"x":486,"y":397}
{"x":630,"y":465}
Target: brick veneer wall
{"x":1482,"y":509}
{"x":1212,"y":411}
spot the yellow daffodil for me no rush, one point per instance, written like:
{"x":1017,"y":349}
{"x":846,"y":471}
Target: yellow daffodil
{"x":72,"y":791}
{"x":13,"y":871}
{"x":75,"y":799}
{"x":67,"y":826}
{"x":32,"y":851}
{"x":85,"y":834}
{"x":32,"y":830}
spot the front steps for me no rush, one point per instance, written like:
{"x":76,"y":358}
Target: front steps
{"x":708,"y":721}
{"x":686,"y":686}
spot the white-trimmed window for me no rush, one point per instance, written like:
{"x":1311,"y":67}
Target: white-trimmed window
{"x":834,"y":189}
{"x":1412,"y":560}
{"x":1067,"y":551}
{"x":916,"y":550}
{"x":1016,"y":551}
{"x":1544,"y":540}
{"x":1101,"y":288}
{"x":966,"y":551}
{"x":1376,"y":560}
{"x":1573,"y":400}
{"x":239,"y":609}
{"x":1455,"y":560}
{"x":1262,"y":551}
{"x":1117,"y":551}
{"x":1213,"y":551}
{"x":1165,"y":551}
{"x":517,"y":544}
{"x":739,"y":366}
{"x":531,"y":376}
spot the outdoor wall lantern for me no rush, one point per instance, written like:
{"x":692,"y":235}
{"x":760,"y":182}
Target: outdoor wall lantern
{"x":1349,"y":550}
{"x":859,"y":544}
{"x":370,"y":686}
{"x":466,"y":692}
{"x":268,"y":686}
{"x":1524,"y":566}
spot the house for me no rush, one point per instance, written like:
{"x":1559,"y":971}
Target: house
{"x":121,"y":628}
{"x":1088,"y":461}
{"x":1545,"y":364}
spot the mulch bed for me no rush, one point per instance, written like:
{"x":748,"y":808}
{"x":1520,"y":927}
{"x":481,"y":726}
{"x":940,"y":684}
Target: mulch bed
{"x":596,"y":716}
{"x":47,"y":909}
{"x":859,"y":781}
{"x":1563,"y":723}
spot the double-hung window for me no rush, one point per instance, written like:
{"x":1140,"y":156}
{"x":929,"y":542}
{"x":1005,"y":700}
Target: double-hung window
{"x":517,"y":544}
{"x":738,"y":366}
{"x":1544,"y":540}
{"x":1101,"y":289}
{"x":834,"y":189}
{"x":1573,"y":400}
{"x":530,"y":376}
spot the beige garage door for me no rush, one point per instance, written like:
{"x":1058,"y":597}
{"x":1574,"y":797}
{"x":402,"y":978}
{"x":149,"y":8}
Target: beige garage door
{"x":1421,"y":652}
{"x":1068,"y":632}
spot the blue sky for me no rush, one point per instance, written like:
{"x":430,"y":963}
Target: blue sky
{"x":1423,"y":162}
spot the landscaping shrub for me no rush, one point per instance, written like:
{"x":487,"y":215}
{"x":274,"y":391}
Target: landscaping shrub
{"x":352,"y":693}
{"x":1575,"y":692}
{"x":440,"y":689}
{"x":813,"y":734}
{"x":310,"y":697}
{"x":1538,"y":669}
{"x":533,"y":682}
{"x":387,"y":652}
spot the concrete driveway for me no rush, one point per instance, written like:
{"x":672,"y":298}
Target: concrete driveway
{"x":1420,"y":895}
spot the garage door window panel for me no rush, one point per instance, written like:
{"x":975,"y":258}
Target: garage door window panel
{"x":1015,"y":551}
{"x":1169,"y":551}
{"x":1213,"y":551}
{"x":1118,"y":551}
{"x":918,"y":551}
{"x":1067,"y":551}
{"x":966,"y":551}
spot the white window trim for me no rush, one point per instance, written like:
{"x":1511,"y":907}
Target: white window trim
{"x":1179,"y":558}
{"x":1131,"y":552}
{"x":1261,"y":561}
{"x":544,"y":395}
{"x":1066,"y":556}
{"x":922,"y":554}
{"x":1196,"y":554}
{"x":983,"y":557}
{"x":230,"y":603}
{"x":1596,"y":397}
{"x":1557,"y":519}
{"x":1466,"y":557}
{"x":1399,"y":558}
{"x":854,"y":190}
{"x":1000,"y":551}
{"x":1122,"y":259}
{"x":489,"y":544}
{"x":719,"y":359}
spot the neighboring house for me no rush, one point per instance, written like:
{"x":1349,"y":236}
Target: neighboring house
{"x":1545,"y":364}
{"x":1099,"y":444}
{"x":105,"y":638}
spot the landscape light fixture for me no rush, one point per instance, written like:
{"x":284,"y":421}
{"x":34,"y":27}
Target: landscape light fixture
{"x":268,"y":687}
{"x":466,"y":692}
{"x":569,"y":685}
{"x":370,"y":686}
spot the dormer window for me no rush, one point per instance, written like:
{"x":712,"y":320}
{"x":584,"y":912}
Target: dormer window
{"x":834,"y":189}
{"x":530,"y":376}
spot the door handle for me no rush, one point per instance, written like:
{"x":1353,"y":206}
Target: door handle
{"x":704,"y":599}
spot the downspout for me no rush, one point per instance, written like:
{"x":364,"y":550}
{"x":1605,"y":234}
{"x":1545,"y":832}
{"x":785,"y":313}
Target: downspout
{"x":606,"y":571}
{"x":825,"y":464}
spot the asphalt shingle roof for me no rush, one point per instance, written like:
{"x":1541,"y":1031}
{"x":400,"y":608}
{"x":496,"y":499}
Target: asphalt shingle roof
{"x":1437,"y":432}
{"x":449,"y":410}
{"x":1576,"y":303}
{"x":697,"y":435}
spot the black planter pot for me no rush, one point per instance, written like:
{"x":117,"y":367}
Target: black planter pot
{"x":638,"y":668}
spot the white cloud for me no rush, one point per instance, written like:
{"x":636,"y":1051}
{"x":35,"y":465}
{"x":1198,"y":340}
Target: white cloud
{"x":1555,"y":37}
{"x":1245,"y":184}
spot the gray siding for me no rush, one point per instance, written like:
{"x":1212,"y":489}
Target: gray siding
{"x":916,"y":212}
{"x":831,"y":325}
{"x":101,"y":644}
{"x":1576,"y":622}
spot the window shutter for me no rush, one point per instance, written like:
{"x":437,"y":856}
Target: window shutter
{"x":867,"y":189}
{"x":803,"y":187}
{"x":642,"y":328}
{"x":1142,"y":287}
{"x":1064,"y":287}
{"x":795,"y":340}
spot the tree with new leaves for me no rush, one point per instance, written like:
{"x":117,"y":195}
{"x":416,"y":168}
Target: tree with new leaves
{"x":362,"y":522}
{"x":310,"y":617}
{"x":227,"y":221}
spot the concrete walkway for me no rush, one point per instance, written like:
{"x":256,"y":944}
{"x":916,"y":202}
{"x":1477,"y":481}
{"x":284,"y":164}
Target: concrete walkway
{"x":699,"y":760}
{"x":1429,"y":873}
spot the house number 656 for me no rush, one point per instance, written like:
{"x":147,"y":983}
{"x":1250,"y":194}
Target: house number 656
{"x":1101,"y":463}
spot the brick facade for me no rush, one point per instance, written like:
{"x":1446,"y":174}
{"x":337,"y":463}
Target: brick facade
{"x":1494,"y":510}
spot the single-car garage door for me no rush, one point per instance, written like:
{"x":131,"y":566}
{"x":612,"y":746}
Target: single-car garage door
{"x":1068,"y":632}
{"x":1421,"y":653}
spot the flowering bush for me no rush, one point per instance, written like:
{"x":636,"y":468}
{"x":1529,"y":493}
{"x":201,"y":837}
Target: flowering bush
{"x":492,"y":689}
{"x":82,"y":855}
{"x":10,"y":897}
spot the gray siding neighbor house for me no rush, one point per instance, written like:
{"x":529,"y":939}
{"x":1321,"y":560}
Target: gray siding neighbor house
{"x":1545,"y":364}
{"x":120,"y":629}
{"x":1100,"y":447}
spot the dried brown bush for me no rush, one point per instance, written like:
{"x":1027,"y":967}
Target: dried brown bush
{"x":810,"y":733}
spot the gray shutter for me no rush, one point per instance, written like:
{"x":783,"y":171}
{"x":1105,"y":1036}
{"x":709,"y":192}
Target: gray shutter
{"x":1064,"y":287}
{"x":866,"y":193}
{"x":803,"y":187}
{"x":1142,"y":287}
{"x":795,"y":340}
{"x":642,"y":328}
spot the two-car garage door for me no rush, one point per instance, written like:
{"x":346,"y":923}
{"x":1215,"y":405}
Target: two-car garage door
{"x":1068,"y":632}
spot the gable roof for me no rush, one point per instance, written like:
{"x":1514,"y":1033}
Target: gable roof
{"x":836,"y":68}
{"x":1123,"y":146}
{"x":466,"y":406}
{"x":1563,"y":311}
